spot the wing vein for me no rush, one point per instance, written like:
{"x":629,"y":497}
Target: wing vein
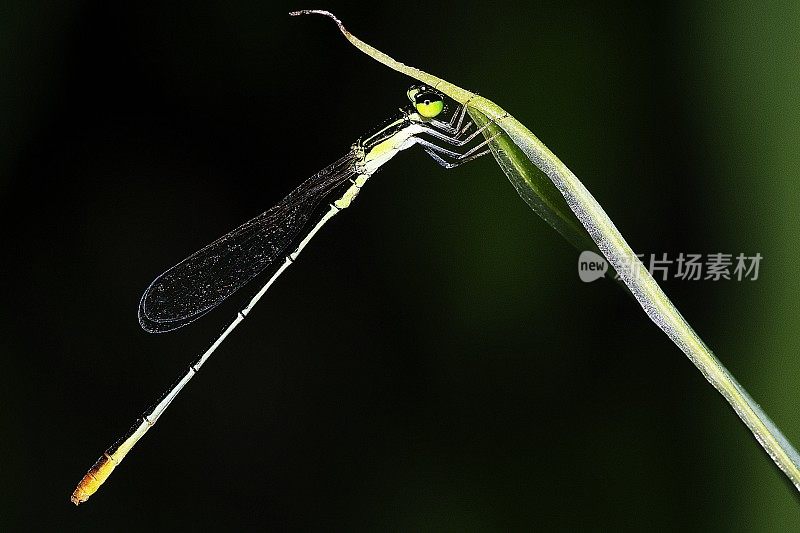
{"x":206,"y":278}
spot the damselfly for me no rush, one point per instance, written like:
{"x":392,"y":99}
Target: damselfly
{"x":269,"y":243}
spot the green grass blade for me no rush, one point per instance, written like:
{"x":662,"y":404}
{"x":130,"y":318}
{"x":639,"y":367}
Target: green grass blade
{"x":520,"y":162}
{"x":534,"y":186}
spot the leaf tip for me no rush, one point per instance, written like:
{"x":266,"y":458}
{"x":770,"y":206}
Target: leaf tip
{"x":320,"y":12}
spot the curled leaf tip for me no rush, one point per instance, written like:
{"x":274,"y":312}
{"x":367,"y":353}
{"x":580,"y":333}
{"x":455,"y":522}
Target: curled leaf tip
{"x":320,"y":12}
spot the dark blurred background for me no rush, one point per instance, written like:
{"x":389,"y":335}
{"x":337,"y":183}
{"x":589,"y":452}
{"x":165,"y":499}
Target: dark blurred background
{"x":432,"y":362}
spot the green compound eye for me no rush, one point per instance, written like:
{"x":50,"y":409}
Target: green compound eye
{"x":429,"y":108}
{"x":427,"y":102}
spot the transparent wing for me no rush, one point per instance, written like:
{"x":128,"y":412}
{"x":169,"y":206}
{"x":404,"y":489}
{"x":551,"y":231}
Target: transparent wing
{"x":203,"y":280}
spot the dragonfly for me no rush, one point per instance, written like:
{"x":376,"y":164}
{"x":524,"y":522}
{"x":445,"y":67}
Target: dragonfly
{"x":269,"y":243}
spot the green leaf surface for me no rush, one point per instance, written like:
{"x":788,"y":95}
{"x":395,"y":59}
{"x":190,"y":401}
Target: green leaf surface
{"x":533,"y":185}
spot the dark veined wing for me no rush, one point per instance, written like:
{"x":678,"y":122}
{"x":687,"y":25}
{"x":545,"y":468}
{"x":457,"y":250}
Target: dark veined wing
{"x":203,"y":280}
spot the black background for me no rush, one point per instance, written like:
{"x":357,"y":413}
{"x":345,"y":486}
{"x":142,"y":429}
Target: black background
{"x":432,"y":362}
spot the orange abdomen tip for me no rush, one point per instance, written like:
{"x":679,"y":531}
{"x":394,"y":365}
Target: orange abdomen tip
{"x":95,"y":477}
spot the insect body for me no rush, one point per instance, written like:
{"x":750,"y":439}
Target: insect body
{"x":270,"y":242}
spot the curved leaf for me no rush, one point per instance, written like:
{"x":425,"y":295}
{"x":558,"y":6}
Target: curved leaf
{"x":519,"y":152}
